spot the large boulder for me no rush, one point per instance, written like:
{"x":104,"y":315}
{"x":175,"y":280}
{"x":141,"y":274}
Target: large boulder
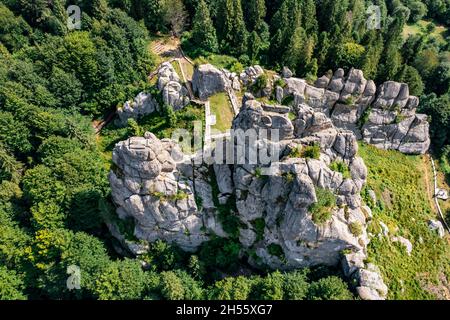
{"x":143,"y":104}
{"x":208,"y":80}
{"x":147,"y":186}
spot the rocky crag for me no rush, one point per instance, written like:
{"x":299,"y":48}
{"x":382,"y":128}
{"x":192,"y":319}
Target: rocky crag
{"x":154,"y":184}
{"x":385,"y":117}
{"x":171,"y":91}
{"x":308,"y":210}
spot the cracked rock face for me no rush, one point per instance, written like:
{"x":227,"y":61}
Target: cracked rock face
{"x":147,"y":186}
{"x":283,"y":199}
{"x":208,"y":80}
{"x":172,"y":91}
{"x":385,"y":118}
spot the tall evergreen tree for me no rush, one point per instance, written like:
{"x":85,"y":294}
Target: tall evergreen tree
{"x":254,"y":13}
{"x":203,"y":31}
{"x":233,"y":33}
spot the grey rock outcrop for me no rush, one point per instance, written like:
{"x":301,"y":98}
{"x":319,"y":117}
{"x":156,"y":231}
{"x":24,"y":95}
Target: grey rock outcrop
{"x":437,"y":226}
{"x":208,"y":80}
{"x":283,"y":199}
{"x":385,"y":118}
{"x":172,"y":91}
{"x":147,"y":186}
{"x":142,"y":105}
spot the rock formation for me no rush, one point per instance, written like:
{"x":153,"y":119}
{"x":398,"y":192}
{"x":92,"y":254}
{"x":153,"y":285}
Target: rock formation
{"x":171,"y":89}
{"x":296,"y":210}
{"x":385,"y":118}
{"x":153,"y":185}
{"x":208,"y":80}
{"x":147,"y":186}
{"x":142,"y":105}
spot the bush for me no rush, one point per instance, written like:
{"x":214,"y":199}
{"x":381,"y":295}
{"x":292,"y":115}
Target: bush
{"x":340,"y":166}
{"x":355,"y":228}
{"x":296,"y":285}
{"x":259,"y":225}
{"x":321,"y":210}
{"x":330,"y":288}
{"x":275,"y":250}
{"x":260,"y":83}
{"x":311,"y":152}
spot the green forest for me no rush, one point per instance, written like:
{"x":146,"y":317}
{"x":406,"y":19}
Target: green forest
{"x":54,"y":82}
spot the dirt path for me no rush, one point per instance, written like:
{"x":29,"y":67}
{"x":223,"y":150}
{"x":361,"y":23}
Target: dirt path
{"x":429,"y":182}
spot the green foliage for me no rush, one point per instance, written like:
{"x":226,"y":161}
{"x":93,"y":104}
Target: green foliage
{"x":399,"y":183}
{"x":342,"y":167}
{"x":259,"y":226}
{"x":296,"y":152}
{"x":121,"y":280}
{"x":270,"y":288}
{"x":238,"y":288}
{"x":134,"y":129}
{"x":296,"y":285}
{"x":330,"y":288}
{"x":171,"y":286}
{"x":275,"y":250}
{"x":220,"y":253}
{"x":11,"y":285}
{"x":203,"y":31}
{"x":321,"y":209}
{"x":364,"y":118}
{"x":260,"y":83}
{"x":311,"y":152}
{"x":355,"y":228}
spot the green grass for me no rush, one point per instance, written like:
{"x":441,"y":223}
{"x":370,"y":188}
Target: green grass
{"x":398,"y":181}
{"x":340,"y":166}
{"x":321,"y":210}
{"x":421,"y":28}
{"x":221,"y":107}
{"x":177,"y":69}
{"x":155,"y":123}
{"x":221,"y":61}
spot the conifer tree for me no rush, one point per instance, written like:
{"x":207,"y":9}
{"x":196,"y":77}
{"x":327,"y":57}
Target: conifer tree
{"x":255,"y":12}
{"x":203,"y":31}
{"x":233,"y":33}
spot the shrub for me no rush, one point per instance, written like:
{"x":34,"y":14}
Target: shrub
{"x":296,"y":152}
{"x":275,"y":250}
{"x":259,"y":225}
{"x":350,"y":101}
{"x":321,"y":210}
{"x":330,"y":288}
{"x":355,"y":228}
{"x":340,"y":166}
{"x":311,"y":152}
{"x":364,"y":118}
{"x":295,"y":285}
{"x":260,"y":83}
{"x":279,"y":83}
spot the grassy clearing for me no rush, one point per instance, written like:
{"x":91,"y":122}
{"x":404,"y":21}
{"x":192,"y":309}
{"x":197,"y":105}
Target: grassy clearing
{"x":398,"y":181}
{"x":221,"y":61}
{"x":155,"y":123}
{"x":221,"y":107}
{"x":421,"y":28}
